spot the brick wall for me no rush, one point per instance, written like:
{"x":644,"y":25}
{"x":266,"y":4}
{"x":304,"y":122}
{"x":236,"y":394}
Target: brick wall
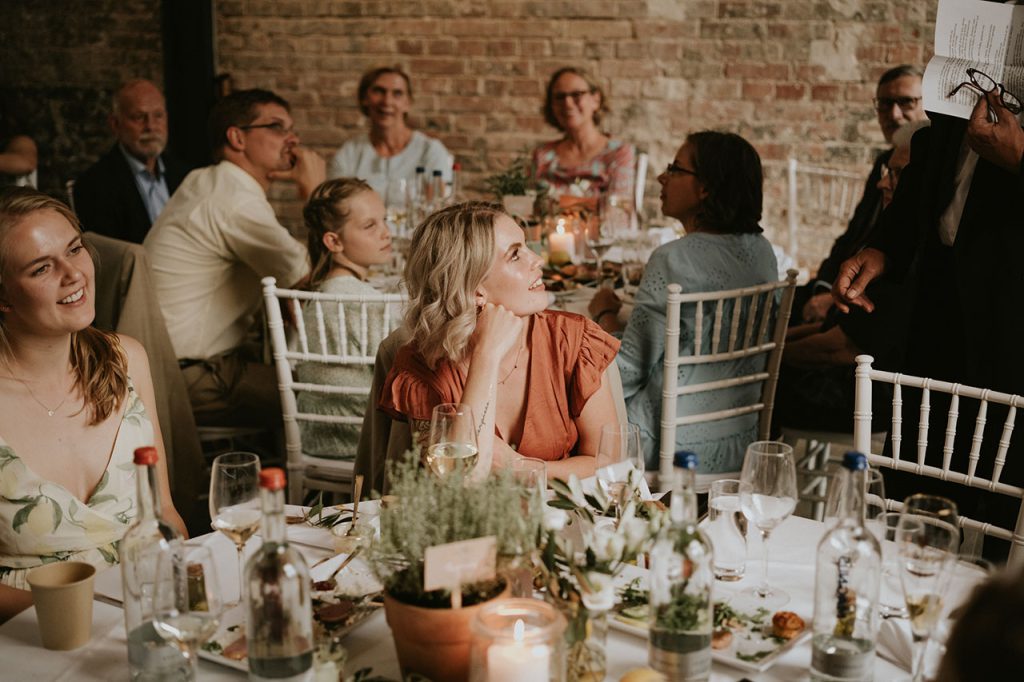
{"x":59,"y":65}
{"x":793,"y":76}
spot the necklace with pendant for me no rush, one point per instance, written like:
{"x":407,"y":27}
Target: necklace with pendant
{"x":49,"y":412}
{"x":514,"y":367}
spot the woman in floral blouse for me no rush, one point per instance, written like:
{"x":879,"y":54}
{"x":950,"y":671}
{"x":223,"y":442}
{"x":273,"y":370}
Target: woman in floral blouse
{"x":73,"y":403}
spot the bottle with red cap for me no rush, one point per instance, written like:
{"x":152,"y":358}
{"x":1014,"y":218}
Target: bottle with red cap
{"x":279,"y":618}
{"x":150,"y":656}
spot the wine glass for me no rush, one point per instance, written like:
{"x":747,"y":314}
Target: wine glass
{"x":235,"y":500}
{"x":396,"y":201}
{"x":453,"y":442}
{"x":927,"y":548}
{"x":942,"y":508}
{"x":874,"y":498}
{"x":767,"y":497}
{"x":618,"y":443}
{"x":187,"y":604}
{"x":600,"y":239}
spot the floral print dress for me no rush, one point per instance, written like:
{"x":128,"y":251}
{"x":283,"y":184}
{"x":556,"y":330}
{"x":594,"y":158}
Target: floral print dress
{"x":42,"y":522}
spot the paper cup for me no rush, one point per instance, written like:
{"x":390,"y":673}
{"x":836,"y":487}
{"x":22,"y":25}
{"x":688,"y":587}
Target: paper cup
{"x":63,"y":593}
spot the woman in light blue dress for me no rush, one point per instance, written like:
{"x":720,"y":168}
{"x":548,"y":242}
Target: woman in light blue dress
{"x":714,"y":187}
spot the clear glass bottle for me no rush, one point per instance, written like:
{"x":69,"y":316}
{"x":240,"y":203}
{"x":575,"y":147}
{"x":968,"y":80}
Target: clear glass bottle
{"x":847,"y":581}
{"x":279,"y":617}
{"x":682,"y":576}
{"x":454,"y":194}
{"x":150,"y":656}
{"x":436,"y":191}
{"x":418,"y":206}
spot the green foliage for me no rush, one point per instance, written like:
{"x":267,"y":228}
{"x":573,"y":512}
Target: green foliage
{"x":432,"y":510}
{"x":513,"y":180}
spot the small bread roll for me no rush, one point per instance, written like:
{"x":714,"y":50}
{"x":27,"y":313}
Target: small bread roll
{"x":721,"y":639}
{"x":787,"y":625}
{"x":643,"y":675}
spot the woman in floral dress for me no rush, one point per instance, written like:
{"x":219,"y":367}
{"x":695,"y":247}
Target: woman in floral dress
{"x":74,"y":403}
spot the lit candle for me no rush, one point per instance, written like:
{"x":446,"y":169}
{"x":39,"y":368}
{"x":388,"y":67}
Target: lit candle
{"x":561,"y":244}
{"x":517,"y":661}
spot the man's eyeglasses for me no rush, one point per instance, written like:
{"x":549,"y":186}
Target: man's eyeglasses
{"x":984,"y":83}
{"x":575,"y":95}
{"x":675,"y":169}
{"x":276,"y":127}
{"x":885,"y":104}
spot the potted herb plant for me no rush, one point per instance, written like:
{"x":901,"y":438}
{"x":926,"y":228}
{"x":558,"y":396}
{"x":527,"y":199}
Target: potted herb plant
{"x":515,"y":188}
{"x":431,"y":638}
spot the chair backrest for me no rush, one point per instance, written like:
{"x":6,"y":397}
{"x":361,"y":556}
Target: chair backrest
{"x":820,"y":198}
{"x":349,"y":316}
{"x":754,"y":322}
{"x":865,"y":375}
{"x":640,"y":181}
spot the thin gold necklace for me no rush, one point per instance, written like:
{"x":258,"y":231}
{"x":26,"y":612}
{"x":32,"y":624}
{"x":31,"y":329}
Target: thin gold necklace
{"x":49,"y":412}
{"x":514,"y":367}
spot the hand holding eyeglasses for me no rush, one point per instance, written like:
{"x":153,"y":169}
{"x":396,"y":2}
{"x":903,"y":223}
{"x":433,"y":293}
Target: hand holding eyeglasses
{"x":1001,"y":141}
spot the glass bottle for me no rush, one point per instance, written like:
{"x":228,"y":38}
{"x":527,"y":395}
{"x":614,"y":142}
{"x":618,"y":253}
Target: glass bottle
{"x":418,"y":206}
{"x":454,"y":195}
{"x":847,"y":580}
{"x":436,"y":191}
{"x":150,"y":656}
{"x":279,"y":617}
{"x":682,"y":576}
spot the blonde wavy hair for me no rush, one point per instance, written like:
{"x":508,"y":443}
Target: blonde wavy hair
{"x":451,"y":253}
{"x":97,"y":358}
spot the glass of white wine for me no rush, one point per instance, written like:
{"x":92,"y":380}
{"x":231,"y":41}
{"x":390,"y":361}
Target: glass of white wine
{"x":187,"y":604}
{"x":619,"y":443}
{"x":927,"y":550}
{"x":235,"y":500}
{"x":453,"y":443}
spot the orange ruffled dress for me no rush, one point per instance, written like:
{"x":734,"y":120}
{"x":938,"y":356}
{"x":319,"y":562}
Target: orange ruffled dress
{"x":568,"y":357}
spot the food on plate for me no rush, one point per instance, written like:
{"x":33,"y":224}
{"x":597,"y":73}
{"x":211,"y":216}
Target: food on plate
{"x":721,"y":638}
{"x":238,"y":650}
{"x":330,"y":614}
{"x":787,"y":625}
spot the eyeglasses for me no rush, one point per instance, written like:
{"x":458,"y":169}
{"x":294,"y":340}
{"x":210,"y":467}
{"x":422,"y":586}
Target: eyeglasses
{"x":885,"y":104}
{"x":984,"y":84}
{"x":277,"y":128}
{"x":675,"y":169}
{"x":576,"y":95}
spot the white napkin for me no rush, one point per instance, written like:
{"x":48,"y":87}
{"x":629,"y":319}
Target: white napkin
{"x":896,"y":643}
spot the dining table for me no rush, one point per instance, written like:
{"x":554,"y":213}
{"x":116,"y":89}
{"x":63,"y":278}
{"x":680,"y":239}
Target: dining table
{"x":104,"y":657}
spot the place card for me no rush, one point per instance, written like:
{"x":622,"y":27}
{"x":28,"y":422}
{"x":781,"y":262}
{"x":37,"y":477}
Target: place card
{"x":452,"y":565}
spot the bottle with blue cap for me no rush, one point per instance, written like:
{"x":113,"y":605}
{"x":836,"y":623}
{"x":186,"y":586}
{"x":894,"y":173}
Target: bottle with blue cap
{"x":847,"y":583}
{"x":682,"y":575}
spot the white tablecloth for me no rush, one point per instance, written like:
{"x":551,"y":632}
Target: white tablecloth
{"x":104,"y":659}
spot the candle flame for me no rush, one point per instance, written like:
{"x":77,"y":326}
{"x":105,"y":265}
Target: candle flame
{"x":518,"y":630}
{"x":560,"y":226}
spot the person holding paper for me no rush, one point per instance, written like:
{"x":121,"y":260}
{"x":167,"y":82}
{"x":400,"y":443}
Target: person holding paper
{"x":956,"y":223}
{"x":482,"y":336}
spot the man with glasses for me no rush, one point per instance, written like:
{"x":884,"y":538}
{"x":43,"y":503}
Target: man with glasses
{"x":123,"y":193}
{"x":217,"y":237}
{"x":897,"y":102}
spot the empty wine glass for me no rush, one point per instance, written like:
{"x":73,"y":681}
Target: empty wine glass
{"x":874,"y":498}
{"x":926,"y":547}
{"x":619,"y":443}
{"x":187,"y":604}
{"x":235,"y":500}
{"x":767,"y":497}
{"x":453,"y":441}
{"x":941,"y":508}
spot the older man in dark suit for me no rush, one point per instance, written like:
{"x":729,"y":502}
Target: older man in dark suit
{"x":123,"y":193}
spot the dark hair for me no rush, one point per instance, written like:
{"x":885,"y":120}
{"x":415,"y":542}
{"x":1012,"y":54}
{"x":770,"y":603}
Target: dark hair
{"x":990,"y":622}
{"x":730,"y":170}
{"x":370,"y":77}
{"x":548,"y":108}
{"x":236,"y":110}
{"x":326,"y":211}
{"x":899,"y":72}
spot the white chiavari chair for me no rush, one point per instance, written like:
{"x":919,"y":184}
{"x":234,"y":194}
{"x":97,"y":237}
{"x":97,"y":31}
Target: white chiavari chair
{"x":759,"y":329}
{"x":819,"y":198}
{"x":915,"y":463}
{"x":353,"y":348}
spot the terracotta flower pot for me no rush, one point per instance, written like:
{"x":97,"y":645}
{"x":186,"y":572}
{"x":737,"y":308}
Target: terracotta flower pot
{"x":433,"y":642}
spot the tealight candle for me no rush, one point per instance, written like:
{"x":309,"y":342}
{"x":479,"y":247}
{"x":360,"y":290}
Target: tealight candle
{"x":516,"y":640}
{"x":561,"y":245}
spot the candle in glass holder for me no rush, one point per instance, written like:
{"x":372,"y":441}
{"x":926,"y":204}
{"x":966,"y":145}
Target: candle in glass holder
{"x":518,"y":639}
{"x":561,"y":244}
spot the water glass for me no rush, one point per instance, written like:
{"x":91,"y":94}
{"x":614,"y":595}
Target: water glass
{"x":727,"y":527}
{"x":890,"y":603}
{"x":530,"y":472}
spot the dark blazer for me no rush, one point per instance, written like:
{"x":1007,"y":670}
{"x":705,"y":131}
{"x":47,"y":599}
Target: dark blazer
{"x":107,"y":200}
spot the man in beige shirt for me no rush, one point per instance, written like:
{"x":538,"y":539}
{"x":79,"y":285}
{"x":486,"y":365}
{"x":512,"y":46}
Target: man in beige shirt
{"x":216,"y":238}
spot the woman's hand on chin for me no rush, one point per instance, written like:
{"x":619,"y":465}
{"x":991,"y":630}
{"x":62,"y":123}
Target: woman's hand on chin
{"x":497,"y":331}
